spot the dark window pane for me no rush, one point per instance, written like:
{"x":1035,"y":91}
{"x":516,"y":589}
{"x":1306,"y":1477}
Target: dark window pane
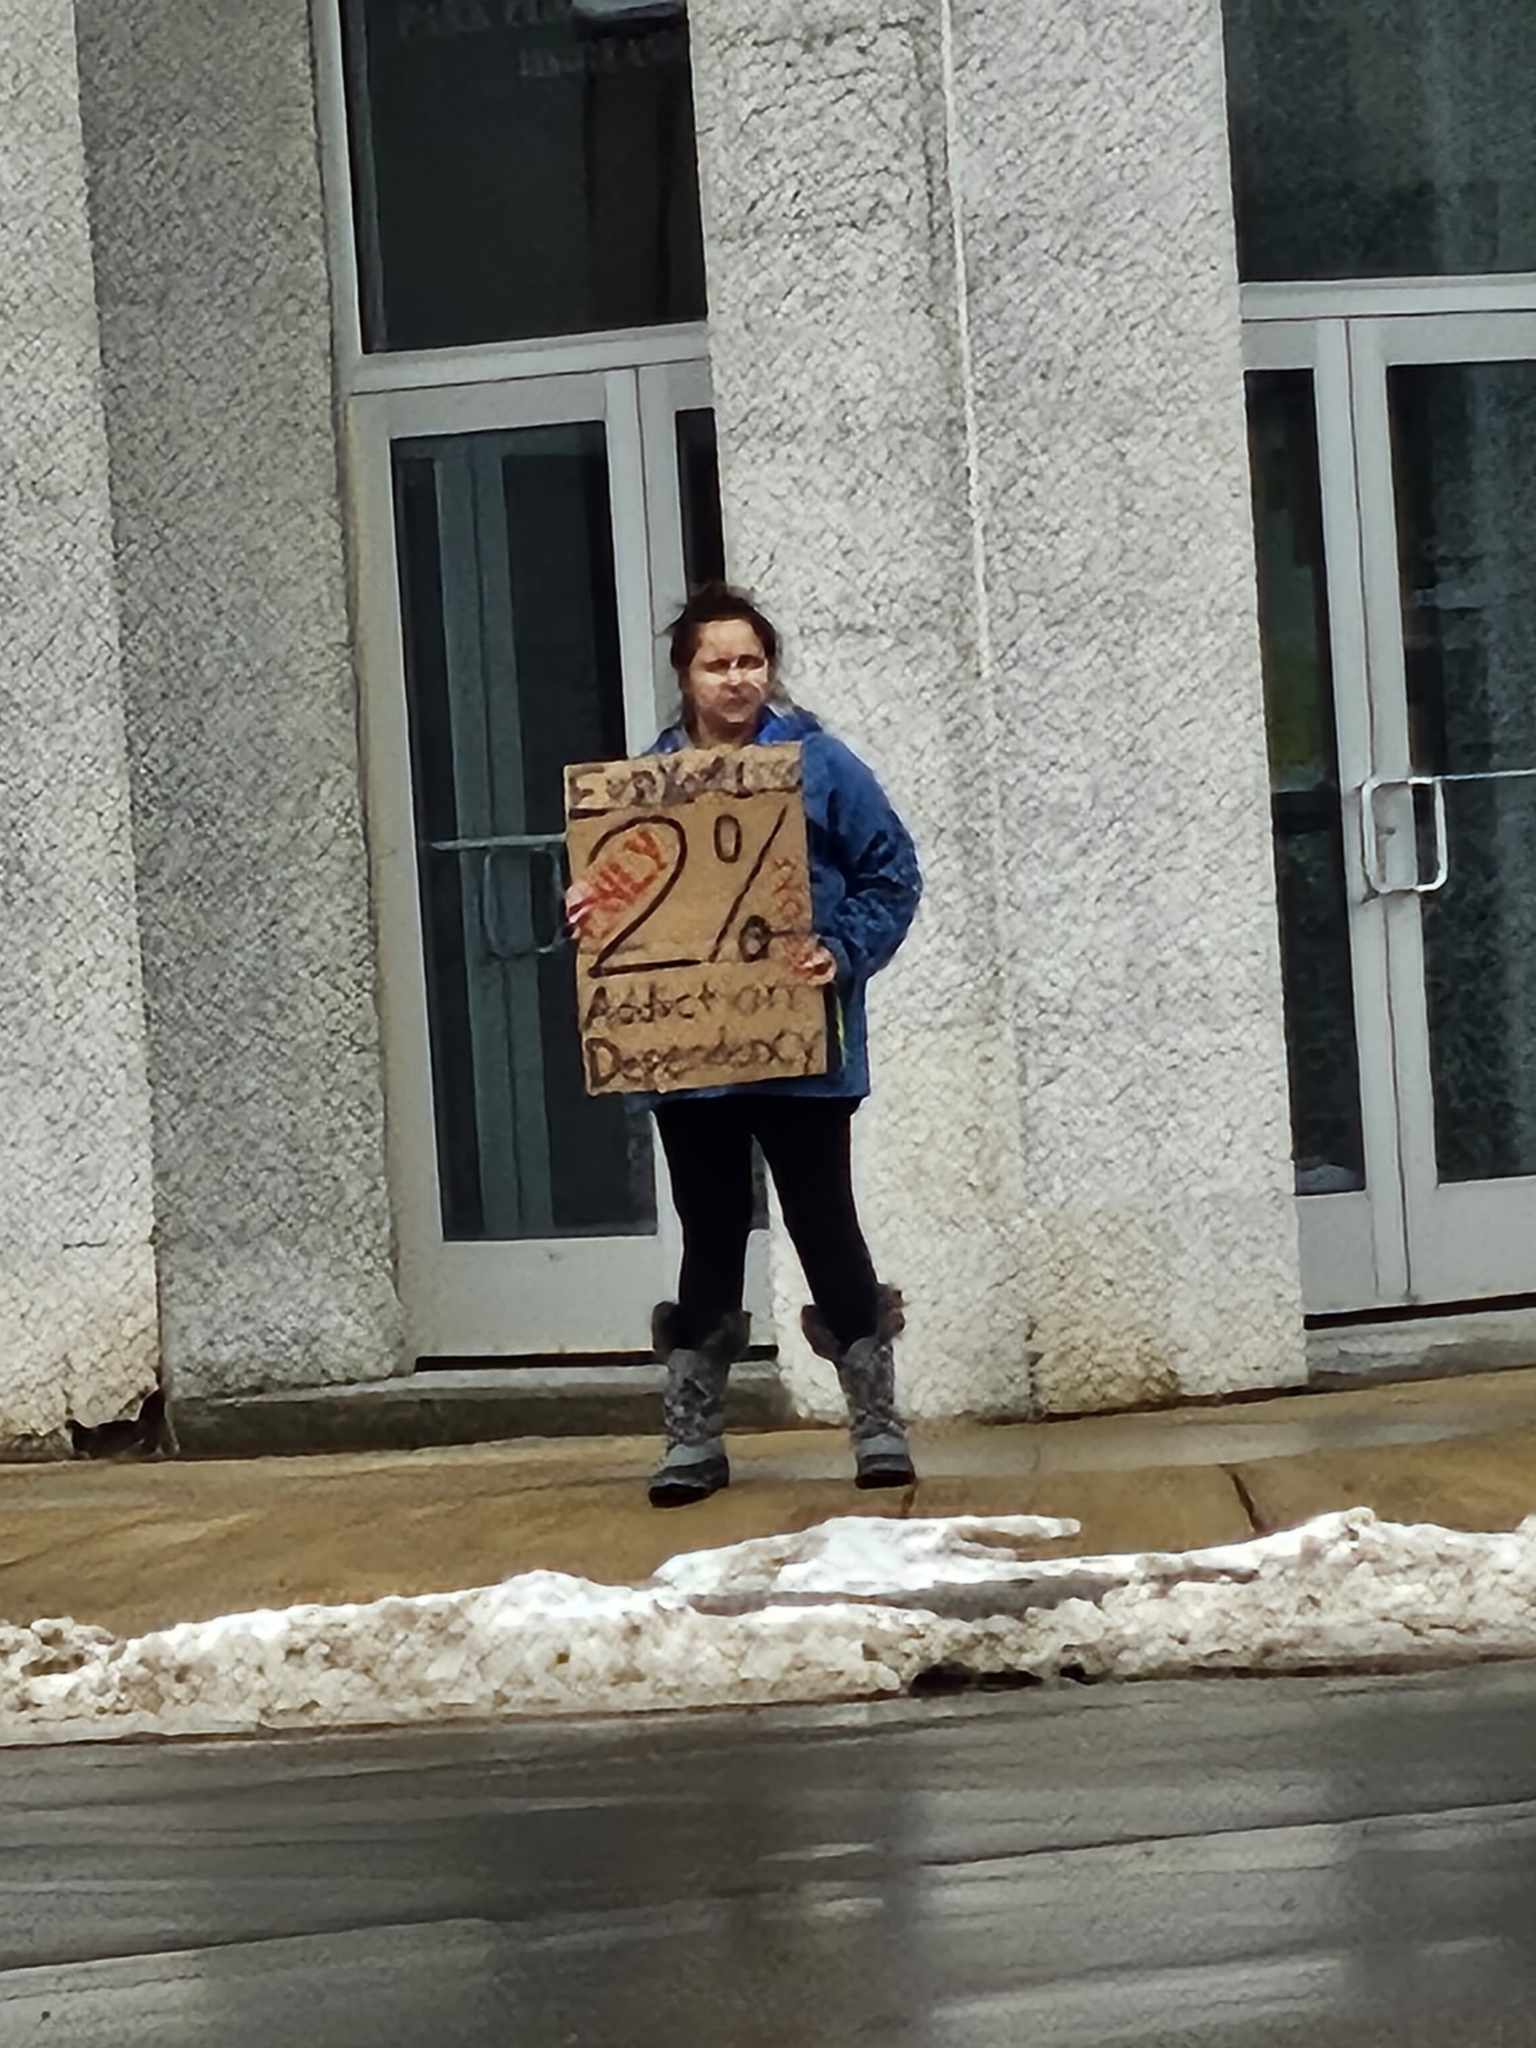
{"x":1382,"y":138}
{"x":523,"y":167}
{"x":1464,"y":456}
{"x":512,"y":669}
{"x":1304,"y":779}
{"x":698,"y":480}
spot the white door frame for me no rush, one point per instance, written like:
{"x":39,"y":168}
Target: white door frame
{"x":497,"y":1296}
{"x":646,"y":375}
{"x":666,"y":390}
{"x":1353,"y":1248}
{"x":1466,"y":1239}
{"x":1410,"y":1238}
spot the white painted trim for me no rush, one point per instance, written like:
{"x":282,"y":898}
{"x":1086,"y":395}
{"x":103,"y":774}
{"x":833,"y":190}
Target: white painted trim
{"x":1281,"y":345}
{"x":474,"y":409}
{"x":635,"y":571}
{"x":560,"y":356}
{"x":1393,"y":758}
{"x":666,"y":389}
{"x":1354,"y":298}
{"x":1468,"y":1238}
{"x":410,"y":1146}
{"x":1353,"y":1246}
{"x":633,"y":568}
{"x":336,"y":187}
{"x":1353,"y":719}
{"x":1452,"y":338}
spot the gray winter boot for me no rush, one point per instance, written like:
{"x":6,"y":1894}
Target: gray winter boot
{"x":693,"y":1408}
{"x":867,"y":1370}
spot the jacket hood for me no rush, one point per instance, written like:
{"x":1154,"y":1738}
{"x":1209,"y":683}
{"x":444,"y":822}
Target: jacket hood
{"x":778,"y":724}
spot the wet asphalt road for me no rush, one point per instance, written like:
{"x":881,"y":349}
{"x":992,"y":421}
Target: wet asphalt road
{"x":1246,"y":1862}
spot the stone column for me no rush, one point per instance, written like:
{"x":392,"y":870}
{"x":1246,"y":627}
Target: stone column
{"x":840,"y":388}
{"x":1100,"y":289}
{"x":975,"y":339}
{"x":77,"y":1277}
{"x":258,"y":961}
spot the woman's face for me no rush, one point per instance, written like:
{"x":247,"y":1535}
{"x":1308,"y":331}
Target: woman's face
{"x":727,"y":681}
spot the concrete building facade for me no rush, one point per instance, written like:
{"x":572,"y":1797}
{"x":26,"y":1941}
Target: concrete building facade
{"x":1130,"y":435}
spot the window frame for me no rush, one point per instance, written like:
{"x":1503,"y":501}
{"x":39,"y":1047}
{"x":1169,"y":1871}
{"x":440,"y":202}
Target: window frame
{"x":1404,"y":297}
{"x":357,"y":371}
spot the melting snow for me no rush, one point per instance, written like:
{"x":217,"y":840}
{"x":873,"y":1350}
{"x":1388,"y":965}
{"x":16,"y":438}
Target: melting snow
{"x":855,"y":1608}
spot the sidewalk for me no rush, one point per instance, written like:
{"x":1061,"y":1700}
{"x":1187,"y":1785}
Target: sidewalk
{"x":137,"y":1545}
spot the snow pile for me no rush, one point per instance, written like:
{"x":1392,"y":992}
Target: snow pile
{"x":855,"y":1608}
{"x":866,"y":1557}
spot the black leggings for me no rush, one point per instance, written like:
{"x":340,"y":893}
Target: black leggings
{"x":806,"y":1140}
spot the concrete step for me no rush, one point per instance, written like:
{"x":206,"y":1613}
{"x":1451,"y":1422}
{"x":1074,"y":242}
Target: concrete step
{"x":490,"y":1404}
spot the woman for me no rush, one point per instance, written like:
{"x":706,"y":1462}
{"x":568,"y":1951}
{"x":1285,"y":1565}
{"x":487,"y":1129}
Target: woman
{"x":865,"y":887}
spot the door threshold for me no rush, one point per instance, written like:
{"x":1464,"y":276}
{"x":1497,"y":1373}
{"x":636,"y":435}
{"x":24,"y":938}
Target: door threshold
{"x":570,"y":1361}
{"x":483,"y":1401}
{"x":1420,"y":1312}
{"x":1421,"y":1343}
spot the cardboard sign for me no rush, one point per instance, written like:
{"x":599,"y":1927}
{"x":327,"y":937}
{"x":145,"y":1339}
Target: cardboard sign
{"x":698,"y":864}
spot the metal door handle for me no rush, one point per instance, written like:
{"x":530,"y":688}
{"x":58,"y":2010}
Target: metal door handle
{"x":493,"y":921}
{"x":544,"y":850}
{"x":1371,"y":845}
{"x":1442,"y":872}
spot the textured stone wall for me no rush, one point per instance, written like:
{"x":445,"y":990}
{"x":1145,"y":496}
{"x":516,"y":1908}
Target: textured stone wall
{"x":258,"y":964}
{"x":77,"y":1280}
{"x":975,"y":340}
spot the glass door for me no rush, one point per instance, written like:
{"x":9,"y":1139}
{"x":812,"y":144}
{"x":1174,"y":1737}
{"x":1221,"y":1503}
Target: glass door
{"x":1318,"y":714}
{"x":1394,"y":463}
{"x":1445,"y":424}
{"x":520,"y":545}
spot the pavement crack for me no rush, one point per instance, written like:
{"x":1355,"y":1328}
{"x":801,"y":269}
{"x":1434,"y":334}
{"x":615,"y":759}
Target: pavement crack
{"x":1250,"y":1506}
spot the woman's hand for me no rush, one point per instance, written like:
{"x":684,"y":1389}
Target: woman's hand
{"x":810,"y":960}
{"x":580,"y":907}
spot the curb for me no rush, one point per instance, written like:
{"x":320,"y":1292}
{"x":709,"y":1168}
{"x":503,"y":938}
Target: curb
{"x":432,"y":1409}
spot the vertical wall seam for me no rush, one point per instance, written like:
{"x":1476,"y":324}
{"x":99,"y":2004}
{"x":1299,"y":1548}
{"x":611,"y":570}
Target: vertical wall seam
{"x":122,"y":732}
{"x":963,"y":333}
{"x":976,"y":506}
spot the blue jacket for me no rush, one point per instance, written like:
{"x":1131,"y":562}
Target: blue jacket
{"x":865,"y":887}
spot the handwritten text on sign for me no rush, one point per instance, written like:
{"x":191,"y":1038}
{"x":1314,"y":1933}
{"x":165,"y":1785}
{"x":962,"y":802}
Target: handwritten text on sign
{"x":697,"y":864}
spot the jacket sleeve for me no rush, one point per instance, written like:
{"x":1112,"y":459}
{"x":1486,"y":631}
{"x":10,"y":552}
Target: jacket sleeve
{"x":878,"y":861}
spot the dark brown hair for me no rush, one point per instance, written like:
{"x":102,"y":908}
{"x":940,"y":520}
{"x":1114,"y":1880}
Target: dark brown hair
{"x":712,"y":601}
